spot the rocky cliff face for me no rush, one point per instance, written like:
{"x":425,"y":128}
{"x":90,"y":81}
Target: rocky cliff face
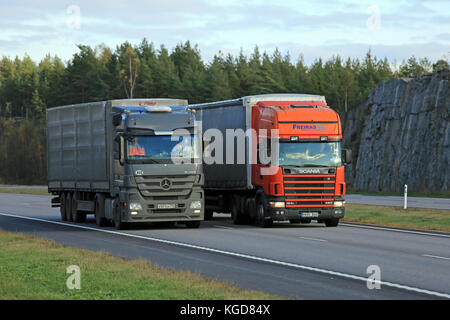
{"x":401,"y":136}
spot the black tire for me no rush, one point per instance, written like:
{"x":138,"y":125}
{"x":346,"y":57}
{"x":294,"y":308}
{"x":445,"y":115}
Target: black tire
{"x":294,"y":221}
{"x":100,"y":219}
{"x":305,"y":220}
{"x":68,"y":205}
{"x":208,"y":214}
{"x":117,"y":215}
{"x":77,"y":216}
{"x":193,"y":224}
{"x":331,"y":222}
{"x":261,"y":212}
{"x":62,"y":208}
{"x":236,"y":213}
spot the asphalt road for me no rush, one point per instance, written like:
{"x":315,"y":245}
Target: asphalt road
{"x":296,"y":261}
{"x":413,"y":202}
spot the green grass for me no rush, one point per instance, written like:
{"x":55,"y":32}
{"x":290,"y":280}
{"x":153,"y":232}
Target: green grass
{"x":410,"y":194}
{"x":34,"y":268}
{"x":415,"y":218}
{"x":38,"y":191}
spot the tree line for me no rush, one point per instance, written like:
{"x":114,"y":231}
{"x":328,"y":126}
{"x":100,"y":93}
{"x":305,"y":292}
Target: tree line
{"x":27,"y":88}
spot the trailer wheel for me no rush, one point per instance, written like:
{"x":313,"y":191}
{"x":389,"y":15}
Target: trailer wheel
{"x":77,"y":216}
{"x":68,"y":205}
{"x":261,"y":212}
{"x":62,"y":208}
{"x":100,"y":210}
{"x":331,"y":222}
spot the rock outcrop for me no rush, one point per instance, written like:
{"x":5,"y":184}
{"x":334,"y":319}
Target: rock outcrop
{"x":400,"y":135}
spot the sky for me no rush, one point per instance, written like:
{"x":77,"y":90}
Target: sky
{"x":393,"y":29}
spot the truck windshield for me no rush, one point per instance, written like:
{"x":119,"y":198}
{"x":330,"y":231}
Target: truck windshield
{"x":162,"y":149}
{"x":313,"y":154}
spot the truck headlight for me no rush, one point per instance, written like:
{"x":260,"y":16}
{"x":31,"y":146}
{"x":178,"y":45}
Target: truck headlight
{"x":277,"y":204}
{"x":135,"y":206}
{"x":339,"y":203}
{"x":196,"y":204}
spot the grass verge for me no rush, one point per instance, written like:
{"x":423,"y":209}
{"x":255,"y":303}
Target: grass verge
{"x":415,"y":218}
{"x":400,"y":194}
{"x":34,"y":268}
{"x":38,"y":191}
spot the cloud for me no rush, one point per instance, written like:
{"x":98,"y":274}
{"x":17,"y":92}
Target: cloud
{"x":319,"y":28}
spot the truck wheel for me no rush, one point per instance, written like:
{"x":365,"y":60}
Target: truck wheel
{"x":236,"y":213}
{"x":261,"y":207}
{"x":117,"y":217}
{"x":68,"y":205}
{"x":208,"y":214}
{"x":100,"y":210}
{"x":118,"y":224}
{"x":77,"y":216}
{"x":331,"y":222}
{"x":193,"y":224}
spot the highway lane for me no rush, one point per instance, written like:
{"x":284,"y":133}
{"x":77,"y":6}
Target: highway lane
{"x":408,"y":259}
{"x":396,"y":201}
{"x":413,"y":202}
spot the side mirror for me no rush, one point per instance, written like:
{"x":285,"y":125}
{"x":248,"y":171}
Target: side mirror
{"x":122,"y":150}
{"x":347,"y":156}
{"x":118,"y":152}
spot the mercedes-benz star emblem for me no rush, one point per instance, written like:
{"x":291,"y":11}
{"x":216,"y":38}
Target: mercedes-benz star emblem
{"x":166,"y":184}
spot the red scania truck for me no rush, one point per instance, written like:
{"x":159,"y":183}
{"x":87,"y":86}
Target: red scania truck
{"x":307,"y":182}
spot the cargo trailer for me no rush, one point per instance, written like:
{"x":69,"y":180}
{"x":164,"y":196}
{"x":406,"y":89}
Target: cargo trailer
{"x":113,"y":159}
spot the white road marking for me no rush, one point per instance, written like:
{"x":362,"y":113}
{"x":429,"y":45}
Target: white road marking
{"x":240,"y":255}
{"x":437,"y":257}
{"x":217,"y":226}
{"x":395,"y":230}
{"x":313,"y":239}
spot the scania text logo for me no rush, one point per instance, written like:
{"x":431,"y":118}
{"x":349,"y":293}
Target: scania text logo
{"x":166,"y":184}
{"x":308,"y":170}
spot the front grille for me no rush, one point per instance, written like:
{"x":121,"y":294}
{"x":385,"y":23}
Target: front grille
{"x":308,"y":185}
{"x":315,"y":191}
{"x":151,"y":189}
{"x":159,"y":211}
{"x":310,"y":178}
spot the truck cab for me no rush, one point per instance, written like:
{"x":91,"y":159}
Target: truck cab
{"x":157,"y":167}
{"x":308,"y":180}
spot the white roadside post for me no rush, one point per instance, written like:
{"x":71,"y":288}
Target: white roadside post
{"x":405,"y":203}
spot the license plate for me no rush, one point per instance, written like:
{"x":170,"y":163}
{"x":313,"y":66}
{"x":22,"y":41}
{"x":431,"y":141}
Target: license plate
{"x":166,"y":206}
{"x":309,"y":214}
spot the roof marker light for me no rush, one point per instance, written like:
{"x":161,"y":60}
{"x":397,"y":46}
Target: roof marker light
{"x":158,"y":109}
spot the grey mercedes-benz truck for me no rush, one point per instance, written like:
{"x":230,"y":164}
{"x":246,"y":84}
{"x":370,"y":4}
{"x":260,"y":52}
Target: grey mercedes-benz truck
{"x":125,"y":161}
